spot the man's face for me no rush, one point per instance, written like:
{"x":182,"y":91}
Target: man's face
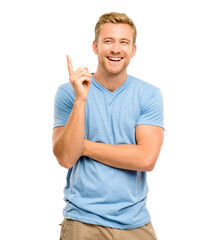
{"x":114,"y":48}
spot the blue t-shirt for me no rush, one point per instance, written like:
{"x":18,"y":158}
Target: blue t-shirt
{"x":96,"y":193}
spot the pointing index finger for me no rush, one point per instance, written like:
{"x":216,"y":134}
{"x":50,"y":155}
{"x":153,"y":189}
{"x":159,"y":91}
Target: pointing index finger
{"x":70,"y":67}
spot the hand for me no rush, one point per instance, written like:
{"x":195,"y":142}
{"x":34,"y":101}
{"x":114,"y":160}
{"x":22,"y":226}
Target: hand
{"x":80,"y":80}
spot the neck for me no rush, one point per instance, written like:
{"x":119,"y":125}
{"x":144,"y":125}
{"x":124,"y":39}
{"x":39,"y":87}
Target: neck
{"x":110,"y":81}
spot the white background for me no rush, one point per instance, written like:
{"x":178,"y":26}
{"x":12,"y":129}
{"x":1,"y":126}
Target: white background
{"x":177,"y":50}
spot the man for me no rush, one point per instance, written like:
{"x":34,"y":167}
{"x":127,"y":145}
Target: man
{"x":108,"y":132}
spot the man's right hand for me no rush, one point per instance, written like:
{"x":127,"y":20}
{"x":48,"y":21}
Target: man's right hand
{"x":80,"y":80}
{"x":68,"y":140}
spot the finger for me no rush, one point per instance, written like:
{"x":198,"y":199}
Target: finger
{"x":70,"y":67}
{"x":82,"y":80}
{"x":82,"y":71}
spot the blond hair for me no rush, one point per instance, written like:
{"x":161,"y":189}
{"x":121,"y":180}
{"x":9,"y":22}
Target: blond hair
{"x":115,"y":18}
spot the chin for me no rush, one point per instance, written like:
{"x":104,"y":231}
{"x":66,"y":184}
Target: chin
{"x":116,"y":71}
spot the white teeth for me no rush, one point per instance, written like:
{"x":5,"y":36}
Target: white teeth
{"x":115,"y":59}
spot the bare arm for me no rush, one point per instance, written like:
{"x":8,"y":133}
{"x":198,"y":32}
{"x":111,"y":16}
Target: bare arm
{"x":68,"y":141}
{"x":140,"y":157}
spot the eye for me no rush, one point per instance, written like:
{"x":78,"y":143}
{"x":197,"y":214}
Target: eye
{"x":125,"y":42}
{"x":108,"y":41}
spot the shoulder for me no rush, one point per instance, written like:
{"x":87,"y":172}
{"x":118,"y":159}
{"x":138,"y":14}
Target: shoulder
{"x":65,"y":95}
{"x":66,"y":87}
{"x":65,"y":90}
{"x":150,"y":102}
{"x":139,"y":83}
{"x":142,"y":88}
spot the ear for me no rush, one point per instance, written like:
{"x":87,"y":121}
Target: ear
{"x":95,"y":48}
{"x":133,"y":51}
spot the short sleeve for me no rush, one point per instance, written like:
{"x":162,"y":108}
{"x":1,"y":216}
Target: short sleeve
{"x":152,"y":110}
{"x":63,"y":105}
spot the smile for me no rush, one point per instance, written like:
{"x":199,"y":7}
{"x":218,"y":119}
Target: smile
{"x":115,"y":59}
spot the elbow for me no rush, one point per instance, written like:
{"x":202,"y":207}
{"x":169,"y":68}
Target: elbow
{"x":150,"y":168}
{"x":63,"y":160}
{"x":65,"y":164}
{"x":149,"y":164}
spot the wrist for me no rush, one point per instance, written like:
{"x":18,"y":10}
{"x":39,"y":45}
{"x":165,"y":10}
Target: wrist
{"x":85,"y":148}
{"x":80,"y":101}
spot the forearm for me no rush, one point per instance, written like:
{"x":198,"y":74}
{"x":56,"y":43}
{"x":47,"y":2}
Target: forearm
{"x":124,"y":156}
{"x":69,"y":145}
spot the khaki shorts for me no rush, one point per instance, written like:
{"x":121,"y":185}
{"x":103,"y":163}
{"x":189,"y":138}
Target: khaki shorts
{"x":74,"y":230}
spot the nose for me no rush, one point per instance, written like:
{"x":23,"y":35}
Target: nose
{"x":115,"y":48}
